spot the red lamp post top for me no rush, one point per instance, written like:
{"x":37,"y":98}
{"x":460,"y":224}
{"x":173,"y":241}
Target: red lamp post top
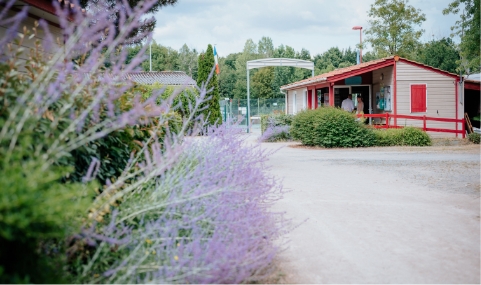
{"x":357,"y":28}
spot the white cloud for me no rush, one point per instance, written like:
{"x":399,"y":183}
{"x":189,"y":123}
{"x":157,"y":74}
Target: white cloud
{"x":315,"y":25}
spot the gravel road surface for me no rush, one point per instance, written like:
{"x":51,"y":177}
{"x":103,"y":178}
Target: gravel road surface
{"x":380,"y":215}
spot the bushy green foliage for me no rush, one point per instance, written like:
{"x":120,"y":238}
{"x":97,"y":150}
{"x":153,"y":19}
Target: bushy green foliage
{"x":275,"y":120}
{"x":330,"y":127}
{"x":408,"y":136}
{"x":182,"y":102}
{"x":37,"y":207}
{"x":37,"y":203}
{"x":474,"y":138}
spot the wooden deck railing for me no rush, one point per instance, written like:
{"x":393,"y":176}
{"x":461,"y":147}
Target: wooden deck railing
{"x":388,"y":116}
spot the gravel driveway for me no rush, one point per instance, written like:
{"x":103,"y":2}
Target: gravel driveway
{"x":380,"y":215}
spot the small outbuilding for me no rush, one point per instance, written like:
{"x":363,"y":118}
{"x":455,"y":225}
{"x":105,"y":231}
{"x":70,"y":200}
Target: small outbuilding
{"x":405,"y":92}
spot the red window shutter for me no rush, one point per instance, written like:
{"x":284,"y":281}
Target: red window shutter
{"x":418,"y":98}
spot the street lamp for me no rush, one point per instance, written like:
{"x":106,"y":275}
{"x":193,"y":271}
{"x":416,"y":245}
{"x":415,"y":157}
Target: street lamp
{"x":360,"y":39}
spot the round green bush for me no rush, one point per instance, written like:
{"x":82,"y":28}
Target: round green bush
{"x":415,"y":137}
{"x":474,"y":138}
{"x":330,"y":127}
{"x":398,"y":137}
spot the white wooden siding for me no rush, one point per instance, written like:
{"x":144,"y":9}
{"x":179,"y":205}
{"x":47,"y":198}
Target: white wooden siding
{"x":300,"y":94}
{"x":441,"y":97}
{"x":27,"y":44}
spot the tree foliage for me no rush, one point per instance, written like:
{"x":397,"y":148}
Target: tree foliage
{"x":394,"y":27}
{"x":148,"y":25}
{"x":440,"y":54}
{"x":334,"y":58}
{"x":206,"y":63}
{"x":468,"y":28}
{"x":262,"y":83}
{"x":187,"y":60}
{"x":167,"y":59}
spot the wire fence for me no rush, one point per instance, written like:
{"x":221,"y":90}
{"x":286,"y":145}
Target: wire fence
{"x":235,"y":110}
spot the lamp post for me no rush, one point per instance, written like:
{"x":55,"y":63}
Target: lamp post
{"x":360,"y":40}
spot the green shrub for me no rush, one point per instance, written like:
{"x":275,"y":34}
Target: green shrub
{"x":181,"y":101}
{"x":408,"y":136}
{"x":415,"y":137}
{"x":37,"y":213}
{"x":389,"y":137}
{"x":474,"y":137}
{"x":330,"y":127}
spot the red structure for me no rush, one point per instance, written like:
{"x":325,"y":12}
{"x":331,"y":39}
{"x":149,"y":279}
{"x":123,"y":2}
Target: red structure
{"x":405,"y":91}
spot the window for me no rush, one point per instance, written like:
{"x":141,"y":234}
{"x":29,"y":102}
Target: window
{"x":418,"y":98}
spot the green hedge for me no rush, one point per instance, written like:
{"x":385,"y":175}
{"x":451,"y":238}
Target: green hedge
{"x":408,"y":136}
{"x":333,"y":127}
{"x":330,"y":127}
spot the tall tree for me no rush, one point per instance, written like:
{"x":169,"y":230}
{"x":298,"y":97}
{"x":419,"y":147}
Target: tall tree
{"x":265,"y":47}
{"x":227,"y":76}
{"x":206,"y":63}
{"x":441,"y":54}
{"x":334,"y":58}
{"x":148,"y":25}
{"x":262,"y":83}
{"x":394,"y":27}
{"x":283,"y":75}
{"x":468,"y":28}
{"x":249,"y":53}
{"x":163,"y":59}
{"x":187,"y":61}
{"x":302,"y":73}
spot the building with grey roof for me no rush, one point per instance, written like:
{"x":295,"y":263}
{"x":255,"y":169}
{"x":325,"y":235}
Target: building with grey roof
{"x":173,"y":78}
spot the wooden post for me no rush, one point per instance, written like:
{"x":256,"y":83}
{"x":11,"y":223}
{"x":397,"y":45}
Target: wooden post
{"x":463,"y":128}
{"x":387,"y":120}
{"x":424,"y":123}
{"x":331,"y":95}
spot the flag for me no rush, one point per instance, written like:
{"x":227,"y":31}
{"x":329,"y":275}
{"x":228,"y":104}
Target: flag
{"x":216,"y":62}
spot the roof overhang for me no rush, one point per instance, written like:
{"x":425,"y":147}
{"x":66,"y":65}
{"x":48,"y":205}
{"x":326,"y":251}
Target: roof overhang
{"x":44,"y":9}
{"x":361,"y":70}
{"x":251,"y":64}
{"x":472,"y":85}
{"x":318,"y":82}
{"x":314,"y":81}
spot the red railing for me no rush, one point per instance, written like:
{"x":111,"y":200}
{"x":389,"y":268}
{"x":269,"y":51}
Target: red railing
{"x":388,"y":116}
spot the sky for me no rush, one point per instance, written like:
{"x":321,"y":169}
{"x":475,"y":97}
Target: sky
{"x":315,"y":25}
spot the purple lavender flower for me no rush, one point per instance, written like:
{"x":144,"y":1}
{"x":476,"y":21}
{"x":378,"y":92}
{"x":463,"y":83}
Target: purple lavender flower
{"x":275,"y":133}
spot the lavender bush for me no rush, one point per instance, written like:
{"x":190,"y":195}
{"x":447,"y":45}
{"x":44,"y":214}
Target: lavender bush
{"x":275,"y":133}
{"x":186,"y":209}
{"x":202,"y":217}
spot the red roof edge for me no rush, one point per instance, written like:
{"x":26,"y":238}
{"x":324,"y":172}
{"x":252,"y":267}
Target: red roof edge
{"x":44,"y":5}
{"x":47,"y":6}
{"x":387,"y":62}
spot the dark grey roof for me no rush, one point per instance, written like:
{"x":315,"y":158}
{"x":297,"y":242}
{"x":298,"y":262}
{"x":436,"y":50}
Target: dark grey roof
{"x":162,"y":77}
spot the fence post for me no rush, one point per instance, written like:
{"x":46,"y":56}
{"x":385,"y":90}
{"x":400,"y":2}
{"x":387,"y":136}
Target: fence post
{"x":387,"y":120}
{"x":463,"y":128}
{"x":424,"y":123}
{"x":258,"y":107}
